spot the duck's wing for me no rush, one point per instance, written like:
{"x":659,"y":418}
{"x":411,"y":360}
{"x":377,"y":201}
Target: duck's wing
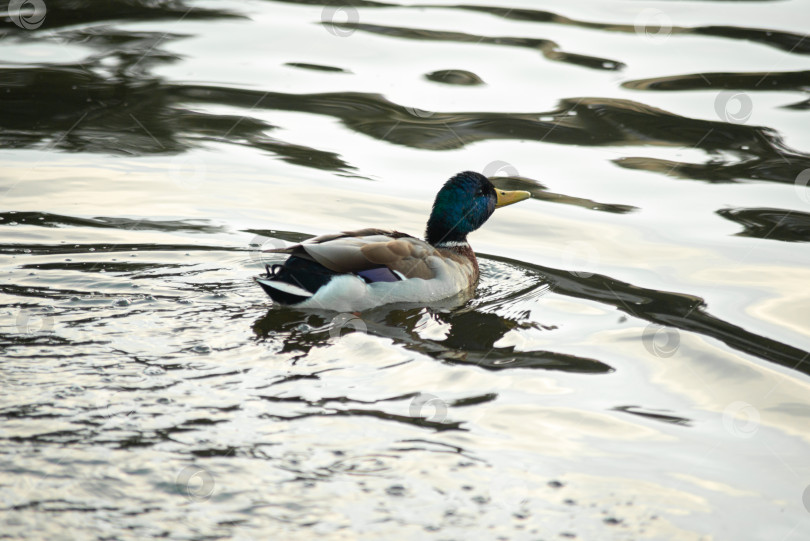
{"x":356,"y":251}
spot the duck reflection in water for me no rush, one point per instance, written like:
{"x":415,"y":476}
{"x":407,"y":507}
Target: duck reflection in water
{"x":468,"y":327}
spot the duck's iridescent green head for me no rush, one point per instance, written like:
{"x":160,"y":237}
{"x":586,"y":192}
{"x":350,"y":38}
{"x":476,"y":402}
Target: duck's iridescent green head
{"x":463,"y":204}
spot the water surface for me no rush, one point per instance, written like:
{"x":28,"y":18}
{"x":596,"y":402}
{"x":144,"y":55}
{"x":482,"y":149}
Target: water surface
{"x":634,"y":364}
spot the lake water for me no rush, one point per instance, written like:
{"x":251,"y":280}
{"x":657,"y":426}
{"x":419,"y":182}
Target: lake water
{"x":634,"y":364}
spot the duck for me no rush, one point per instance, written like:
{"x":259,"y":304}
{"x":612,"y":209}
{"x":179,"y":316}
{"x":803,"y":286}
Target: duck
{"x":358,"y":270}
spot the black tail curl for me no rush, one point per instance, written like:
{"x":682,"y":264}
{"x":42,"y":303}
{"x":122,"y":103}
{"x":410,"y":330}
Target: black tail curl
{"x":299,"y":272}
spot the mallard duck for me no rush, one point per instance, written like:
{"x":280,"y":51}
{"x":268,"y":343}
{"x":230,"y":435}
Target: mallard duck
{"x":358,"y":270}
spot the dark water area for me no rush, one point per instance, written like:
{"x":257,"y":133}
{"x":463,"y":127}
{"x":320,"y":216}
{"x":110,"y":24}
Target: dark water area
{"x":634,"y":364}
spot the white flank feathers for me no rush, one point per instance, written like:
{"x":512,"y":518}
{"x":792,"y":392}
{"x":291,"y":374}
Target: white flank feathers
{"x":349,"y":293}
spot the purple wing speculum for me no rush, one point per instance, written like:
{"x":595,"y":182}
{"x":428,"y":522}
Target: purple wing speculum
{"x":380,"y":274}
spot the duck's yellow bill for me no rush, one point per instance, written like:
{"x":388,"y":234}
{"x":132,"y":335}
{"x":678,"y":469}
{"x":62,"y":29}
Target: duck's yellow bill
{"x":507,"y":198}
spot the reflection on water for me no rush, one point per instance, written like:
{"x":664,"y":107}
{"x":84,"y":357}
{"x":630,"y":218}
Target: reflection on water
{"x":775,"y":224}
{"x":98,"y":114}
{"x":634,"y":364}
{"x":547,"y":47}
